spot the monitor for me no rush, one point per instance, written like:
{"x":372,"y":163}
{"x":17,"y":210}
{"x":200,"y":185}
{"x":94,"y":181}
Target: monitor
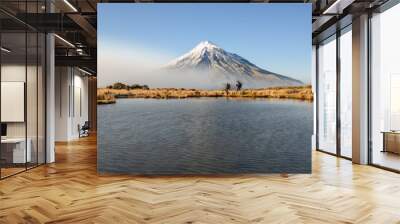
{"x":3,"y":129}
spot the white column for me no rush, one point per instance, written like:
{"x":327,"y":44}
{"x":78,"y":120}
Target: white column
{"x":50,"y":99}
{"x":360,"y":90}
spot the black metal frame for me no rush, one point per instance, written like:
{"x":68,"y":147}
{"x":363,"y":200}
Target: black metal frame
{"x":317,"y":96}
{"x":338,"y":98}
{"x":369,"y":81}
{"x":44,"y":80}
{"x":337,"y":34}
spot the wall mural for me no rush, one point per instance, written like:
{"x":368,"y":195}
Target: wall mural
{"x":204,"y":88}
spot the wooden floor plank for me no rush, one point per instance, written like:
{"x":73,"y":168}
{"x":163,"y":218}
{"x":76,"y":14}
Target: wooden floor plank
{"x":71,"y":191}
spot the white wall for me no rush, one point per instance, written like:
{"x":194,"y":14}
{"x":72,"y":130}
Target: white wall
{"x":13,"y":101}
{"x":71,"y":87}
{"x":80,"y":109}
{"x":62,"y":83}
{"x":14,"y":73}
{"x":17,"y":73}
{"x":33,"y":126}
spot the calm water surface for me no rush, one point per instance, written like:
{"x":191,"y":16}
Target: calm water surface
{"x":204,"y":136}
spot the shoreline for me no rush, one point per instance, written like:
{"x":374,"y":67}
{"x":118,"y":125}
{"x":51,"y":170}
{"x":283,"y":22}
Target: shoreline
{"x":109,"y":95}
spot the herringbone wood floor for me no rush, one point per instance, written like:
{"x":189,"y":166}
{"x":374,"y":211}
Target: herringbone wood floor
{"x":70,"y":191}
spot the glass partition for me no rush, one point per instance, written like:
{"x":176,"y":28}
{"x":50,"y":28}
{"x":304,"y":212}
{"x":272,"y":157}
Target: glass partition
{"x":22,"y":107}
{"x":14,"y":153}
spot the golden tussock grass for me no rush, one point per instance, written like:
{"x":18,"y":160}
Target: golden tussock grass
{"x":106,"y":95}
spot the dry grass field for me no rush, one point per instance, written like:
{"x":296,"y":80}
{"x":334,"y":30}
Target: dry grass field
{"x":108,"y":95}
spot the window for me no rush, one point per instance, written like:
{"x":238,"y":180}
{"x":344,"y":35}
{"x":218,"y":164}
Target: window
{"x":346,"y":92}
{"x":327,"y":95}
{"x":385,"y":89}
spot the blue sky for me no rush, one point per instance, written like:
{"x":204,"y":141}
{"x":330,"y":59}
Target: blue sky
{"x":276,"y":37}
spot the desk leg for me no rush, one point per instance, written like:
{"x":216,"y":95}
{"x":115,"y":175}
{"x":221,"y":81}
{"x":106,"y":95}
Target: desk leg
{"x":384,"y":142}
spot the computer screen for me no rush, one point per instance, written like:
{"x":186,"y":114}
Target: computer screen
{"x":3,"y":129}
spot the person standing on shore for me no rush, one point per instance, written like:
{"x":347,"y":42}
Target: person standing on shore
{"x":227,"y":88}
{"x":238,"y":85}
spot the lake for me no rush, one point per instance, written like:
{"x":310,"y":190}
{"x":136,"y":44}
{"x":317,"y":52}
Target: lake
{"x":204,"y":136}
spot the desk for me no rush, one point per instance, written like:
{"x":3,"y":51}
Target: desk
{"x":19,"y":155}
{"x":391,"y":141}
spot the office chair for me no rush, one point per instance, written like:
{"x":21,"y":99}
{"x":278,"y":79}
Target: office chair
{"x":84,"y":130}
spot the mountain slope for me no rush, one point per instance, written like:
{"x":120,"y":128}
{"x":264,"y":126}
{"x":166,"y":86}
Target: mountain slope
{"x":222,"y":66}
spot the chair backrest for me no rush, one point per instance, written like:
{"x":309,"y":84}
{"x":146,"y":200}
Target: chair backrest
{"x":86,"y":125}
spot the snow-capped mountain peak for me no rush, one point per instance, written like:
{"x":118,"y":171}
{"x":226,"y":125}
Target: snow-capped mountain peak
{"x":207,"y":57}
{"x":194,"y":56}
{"x":205,"y":45}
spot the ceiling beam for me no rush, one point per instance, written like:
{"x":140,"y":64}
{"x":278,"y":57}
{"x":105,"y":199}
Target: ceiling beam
{"x":86,"y":27}
{"x":81,"y":61}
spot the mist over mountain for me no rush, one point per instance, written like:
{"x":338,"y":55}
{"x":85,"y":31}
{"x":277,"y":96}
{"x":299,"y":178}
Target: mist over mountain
{"x":215,"y":66}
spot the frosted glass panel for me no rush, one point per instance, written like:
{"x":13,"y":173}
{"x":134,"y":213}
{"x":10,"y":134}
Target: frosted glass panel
{"x":327,"y":96}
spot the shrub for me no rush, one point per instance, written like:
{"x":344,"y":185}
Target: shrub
{"x":119,"y":85}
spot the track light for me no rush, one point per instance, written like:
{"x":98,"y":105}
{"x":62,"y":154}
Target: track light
{"x":5,"y":50}
{"x":65,"y":41}
{"x":84,"y":71}
{"x":337,"y":7}
{"x":70,"y":5}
